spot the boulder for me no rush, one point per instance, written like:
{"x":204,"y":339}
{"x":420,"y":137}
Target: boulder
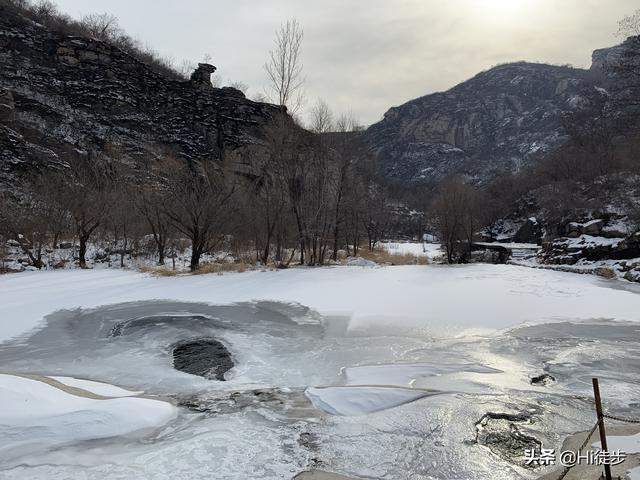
{"x":633,"y":275}
{"x":594,"y":227}
{"x":573,"y":229}
{"x":360,"y":262}
{"x":529,"y":232}
{"x":544,"y":379}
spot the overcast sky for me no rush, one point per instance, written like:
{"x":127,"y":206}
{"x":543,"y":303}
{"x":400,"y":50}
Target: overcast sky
{"x":366,"y":56}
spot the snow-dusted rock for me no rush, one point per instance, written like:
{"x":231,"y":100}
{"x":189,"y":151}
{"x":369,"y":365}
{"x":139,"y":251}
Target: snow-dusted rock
{"x":360,"y":262}
{"x":594,"y":227}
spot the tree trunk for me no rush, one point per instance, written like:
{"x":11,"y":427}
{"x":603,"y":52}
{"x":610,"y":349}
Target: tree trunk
{"x":82,"y":251}
{"x":196,"y":252}
{"x":160,"y":254}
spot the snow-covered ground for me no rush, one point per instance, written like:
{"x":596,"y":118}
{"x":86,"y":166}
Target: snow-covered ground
{"x":438,"y":299}
{"x":429,"y":250}
{"x":399,"y":363}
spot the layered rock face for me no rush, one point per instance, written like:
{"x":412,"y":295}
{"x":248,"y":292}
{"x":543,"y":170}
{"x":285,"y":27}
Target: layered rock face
{"x":501,"y":119}
{"x":620,"y":67}
{"x":62,"y":95}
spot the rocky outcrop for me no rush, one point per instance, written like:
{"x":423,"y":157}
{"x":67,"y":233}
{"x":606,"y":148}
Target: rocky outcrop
{"x":65,"y":95}
{"x":568,"y":251}
{"x":620,"y":66}
{"x":504,"y":118}
{"x":201,"y":77}
{"x":500,"y":119}
{"x":530,"y":232}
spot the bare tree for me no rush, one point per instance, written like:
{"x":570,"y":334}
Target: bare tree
{"x":455,"y":211}
{"x":185,"y":68}
{"x":22,"y":221}
{"x":348,"y":150}
{"x":199,"y":204}
{"x":629,"y":25}
{"x":321,"y":118}
{"x":284,"y":66}
{"x":150,"y":204}
{"x":238,"y":85}
{"x":85,"y":195}
{"x":45,"y":10}
{"x":260,"y":97}
{"x":102,"y":26}
{"x":122,"y":217}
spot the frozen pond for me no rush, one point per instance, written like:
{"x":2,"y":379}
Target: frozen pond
{"x":345,"y":392}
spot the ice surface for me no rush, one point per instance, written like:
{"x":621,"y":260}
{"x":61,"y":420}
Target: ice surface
{"x":360,"y":400}
{"x":410,"y":358}
{"x":634,"y":473}
{"x":627,"y":444}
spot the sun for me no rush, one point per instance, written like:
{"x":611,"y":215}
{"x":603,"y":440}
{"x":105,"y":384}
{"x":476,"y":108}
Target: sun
{"x":501,"y":9}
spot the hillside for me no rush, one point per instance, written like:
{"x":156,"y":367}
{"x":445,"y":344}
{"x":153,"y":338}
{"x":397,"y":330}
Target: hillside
{"x":502,"y":119}
{"x":67,"y":95}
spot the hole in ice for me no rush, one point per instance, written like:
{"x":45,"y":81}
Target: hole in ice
{"x":205,"y":357}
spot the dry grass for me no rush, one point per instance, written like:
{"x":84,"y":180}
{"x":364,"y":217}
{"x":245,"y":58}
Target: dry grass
{"x":221,"y":268}
{"x":205,"y":268}
{"x":382,"y":256}
{"x":605,"y":272}
{"x":162,"y":271}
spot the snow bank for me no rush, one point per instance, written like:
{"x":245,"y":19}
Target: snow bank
{"x":360,"y":400}
{"x":99,"y":388}
{"x":431,"y":300}
{"x":589,"y":241}
{"x":429,"y":250}
{"x":36,"y":415}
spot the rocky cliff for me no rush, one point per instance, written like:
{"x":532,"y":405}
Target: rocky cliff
{"x":501,"y":119}
{"x":63,"y":95}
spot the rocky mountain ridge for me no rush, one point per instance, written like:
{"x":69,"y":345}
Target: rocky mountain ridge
{"x":500,"y":120}
{"x":63,"y":95}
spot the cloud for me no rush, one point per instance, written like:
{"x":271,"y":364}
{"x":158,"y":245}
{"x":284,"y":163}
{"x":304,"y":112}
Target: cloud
{"x":366,"y":56}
